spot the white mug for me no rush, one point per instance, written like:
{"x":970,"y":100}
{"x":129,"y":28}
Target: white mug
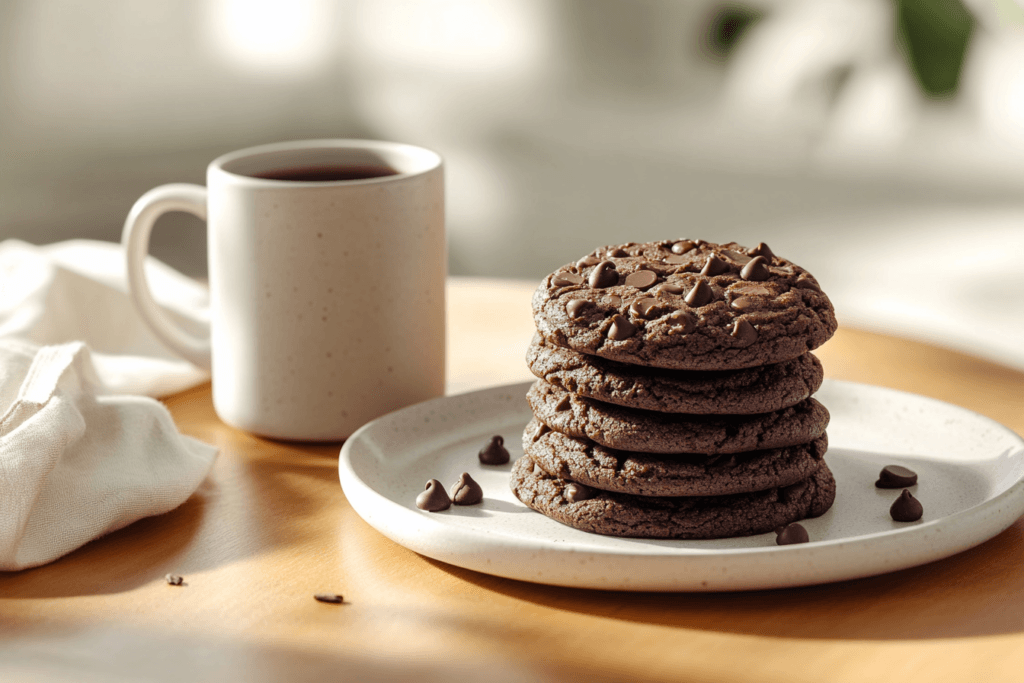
{"x":326,"y":283}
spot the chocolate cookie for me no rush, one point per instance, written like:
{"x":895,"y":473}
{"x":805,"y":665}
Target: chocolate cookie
{"x":647,"y":431}
{"x":620,"y":514}
{"x":684,"y":304}
{"x":725,"y":392}
{"x":642,"y":474}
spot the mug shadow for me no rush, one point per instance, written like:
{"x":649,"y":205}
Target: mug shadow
{"x":962,"y":596}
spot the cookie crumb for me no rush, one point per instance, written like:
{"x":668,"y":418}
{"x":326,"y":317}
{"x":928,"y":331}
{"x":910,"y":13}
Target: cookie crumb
{"x":175,"y":580}
{"x":330,"y":598}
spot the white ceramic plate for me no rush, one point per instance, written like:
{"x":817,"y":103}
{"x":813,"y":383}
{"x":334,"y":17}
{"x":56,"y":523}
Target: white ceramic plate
{"x":970,"y":483}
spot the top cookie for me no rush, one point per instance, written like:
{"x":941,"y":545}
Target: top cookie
{"x":684,"y":304}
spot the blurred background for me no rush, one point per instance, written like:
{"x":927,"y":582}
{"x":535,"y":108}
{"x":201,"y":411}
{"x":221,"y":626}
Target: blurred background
{"x":879,"y":143}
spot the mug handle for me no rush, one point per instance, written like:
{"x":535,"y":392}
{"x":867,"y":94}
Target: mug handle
{"x":135,"y":239}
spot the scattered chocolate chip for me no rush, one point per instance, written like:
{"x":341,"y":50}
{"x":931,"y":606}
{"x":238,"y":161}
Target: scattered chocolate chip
{"x":588,"y":261}
{"x":642,"y":279}
{"x":790,"y":534}
{"x":433,"y":498}
{"x":330,"y":598}
{"x":682,"y":247}
{"x":682,"y":322}
{"x":676,"y":259}
{"x":700,"y":295}
{"x":574,"y":493}
{"x":762,"y":250}
{"x":668,"y":288}
{"x":906,"y":508}
{"x":604,"y":275}
{"x":577,"y":308}
{"x":563,"y":403}
{"x":714,"y":266}
{"x":542,"y":429}
{"x":648,"y":308}
{"x":805,"y":281}
{"x":744,"y":304}
{"x":613,"y":300}
{"x":565,"y":279}
{"x":618,"y":253}
{"x":621,"y":328}
{"x":744,"y":332}
{"x":466,"y":491}
{"x":756,"y":270}
{"x":896,"y":477}
{"x":494,"y":453}
{"x":175,"y":580}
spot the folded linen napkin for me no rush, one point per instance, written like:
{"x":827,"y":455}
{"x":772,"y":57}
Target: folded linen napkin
{"x":79,"y":456}
{"x":78,"y":291}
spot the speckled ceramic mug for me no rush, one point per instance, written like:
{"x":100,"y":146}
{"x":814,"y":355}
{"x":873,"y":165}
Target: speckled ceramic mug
{"x":327,"y":271}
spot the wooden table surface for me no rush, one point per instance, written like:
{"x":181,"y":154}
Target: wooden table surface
{"x":270,"y":527}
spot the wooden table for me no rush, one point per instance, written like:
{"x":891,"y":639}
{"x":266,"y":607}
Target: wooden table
{"x":271,"y":527}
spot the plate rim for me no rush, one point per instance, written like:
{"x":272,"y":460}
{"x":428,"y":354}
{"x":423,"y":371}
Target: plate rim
{"x":361,"y":497}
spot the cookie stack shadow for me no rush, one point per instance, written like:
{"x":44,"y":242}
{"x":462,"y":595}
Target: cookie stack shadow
{"x":642,"y":427}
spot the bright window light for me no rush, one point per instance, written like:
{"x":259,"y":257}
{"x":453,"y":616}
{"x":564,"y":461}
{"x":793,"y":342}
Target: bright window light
{"x":278,"y":36}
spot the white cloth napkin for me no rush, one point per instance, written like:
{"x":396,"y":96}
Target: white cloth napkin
{"x":79,"y":455}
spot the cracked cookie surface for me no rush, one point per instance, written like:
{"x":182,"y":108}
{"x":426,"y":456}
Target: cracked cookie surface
{"x":684,"y":304}
{"x":643,"y":474}
{"x":647,"y":431}
{"x":700,"y":517}
{"x":725,"y":392}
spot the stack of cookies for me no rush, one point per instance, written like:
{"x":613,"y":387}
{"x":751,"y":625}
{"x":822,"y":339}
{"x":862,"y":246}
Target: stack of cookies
{"x":674,"y":393}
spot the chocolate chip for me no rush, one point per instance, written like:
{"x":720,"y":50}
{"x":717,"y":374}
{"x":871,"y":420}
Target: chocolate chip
{"x":793,"y":533}
{"x":174,"y":580}
{"x":604,"y":275}
{"x":744,"y":332}
{"x":588,"y":261}
{"x":668,"y":288}
{"x":700,"y":295}
{"x":577,"y":308}
{"x":542,"y":429}
{"x":896,"y":477}
{"x":641,"y":279}
{"x":762,"y":250}
{"x":564,"y":279}
{"x":618,"y":253}
{"x":756,"y":270}
{"x":494,"y":453}
{"x":613,"y":300}
{"x":682,"y":247}
{"x":563,"y":403}
{"x":736,"y":256}
{"x":714,"y":266}
{"x":621,"y":328}
{"x":682,"y":322}
{"x":466,"y":491}
{"x":433,"y":498}
{"x":805,"y":281}
{"x":574,"y":493}
{"x":750,"y":289}
{"x":906,"y":508}
{"x":330,"y":598}
{"x":648,"y":308}
{"x":744,"y":304}
{"x":676,"y":259}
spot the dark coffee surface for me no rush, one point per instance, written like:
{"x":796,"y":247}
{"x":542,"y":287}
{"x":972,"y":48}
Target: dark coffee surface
{"x":724,"y":392}
{"x":619,"y":514}
{"x":684,"y":304}
{"x":647,"y":431}
{"x":327,"y":173}
{"x":643,"y":474}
